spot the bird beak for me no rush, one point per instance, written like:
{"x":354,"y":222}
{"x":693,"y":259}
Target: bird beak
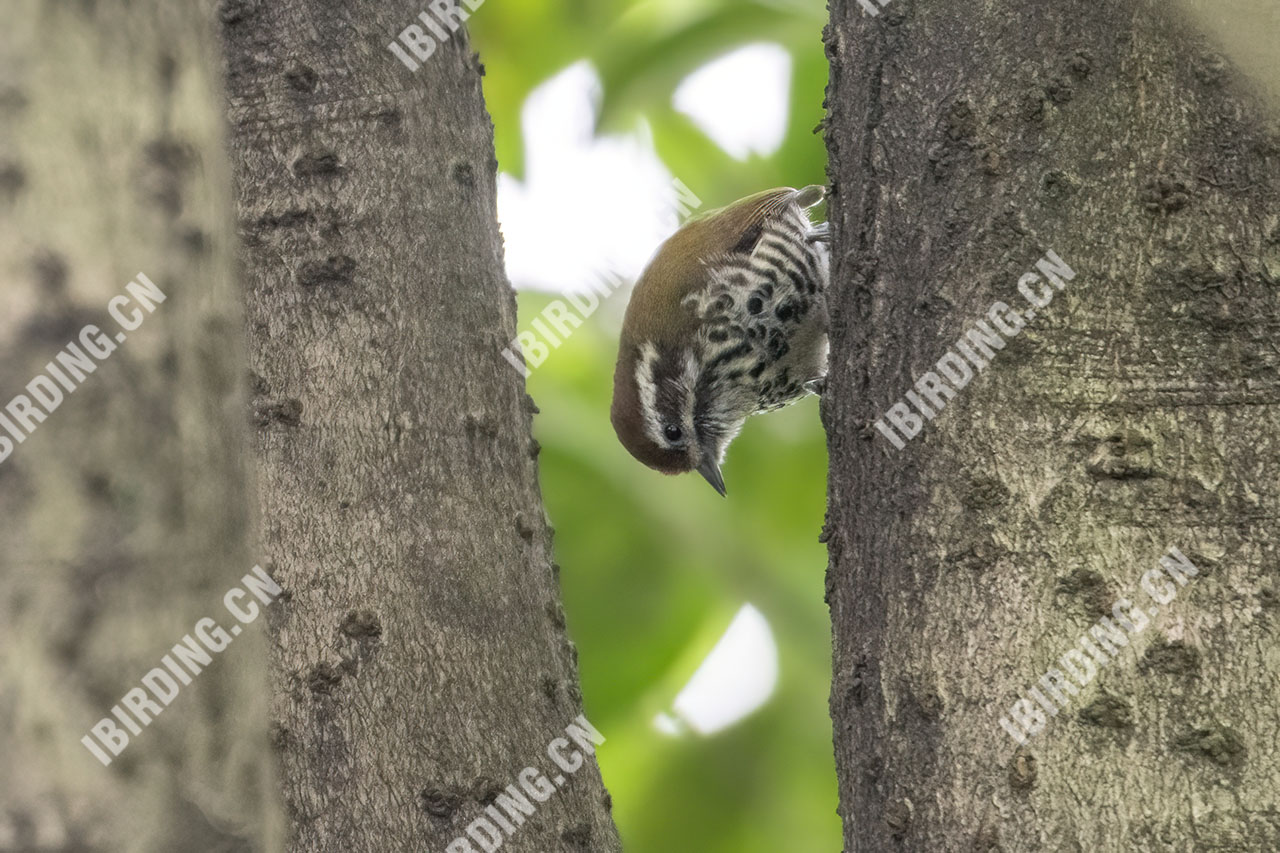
{"x":711,"y":471}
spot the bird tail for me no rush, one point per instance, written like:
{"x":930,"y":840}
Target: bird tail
{"x":810,"y":195}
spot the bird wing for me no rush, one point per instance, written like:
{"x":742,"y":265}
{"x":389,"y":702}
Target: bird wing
{"x":738,"y":227}
{"x":686,"y":263}
{"x":763,"y":304}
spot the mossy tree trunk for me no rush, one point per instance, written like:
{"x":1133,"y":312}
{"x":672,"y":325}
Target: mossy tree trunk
{"x":1137,"y":411}
{"x":420,"y":660}
{"x":125,"y":515}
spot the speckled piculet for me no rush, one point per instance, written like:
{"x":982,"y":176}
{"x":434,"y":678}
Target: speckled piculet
{"x":729,"y":319}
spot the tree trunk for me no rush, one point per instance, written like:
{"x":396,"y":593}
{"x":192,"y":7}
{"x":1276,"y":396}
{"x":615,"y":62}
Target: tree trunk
{"x":420,"y":660}
{"x":1135,"y":413}
{"x":124,"y":513}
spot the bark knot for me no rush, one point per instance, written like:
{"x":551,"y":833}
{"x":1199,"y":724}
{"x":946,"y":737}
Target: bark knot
{"x":235,"y":11}
{"x":301,"y":78}
{"x":12,"y":181}
{"x":333,"y":270}
{"x":287,"y":412}
{"x":1173,"y":658}
{"x":1165,"y":194}
{"x":578,"y":835}
{"x":438,"y":803}
{"x":1090,"y":588}
{"x":361,"y":625}
{"x":322,"y":164}
{"x":323,"y":678}
{"x":1109,"y":712}
{"x":1218,"y":744}
{"x":1022,"y":771}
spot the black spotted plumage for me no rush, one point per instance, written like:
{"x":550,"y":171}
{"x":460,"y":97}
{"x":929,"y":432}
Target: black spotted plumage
{"x":759,"y":300}
{"x":729,"y":319}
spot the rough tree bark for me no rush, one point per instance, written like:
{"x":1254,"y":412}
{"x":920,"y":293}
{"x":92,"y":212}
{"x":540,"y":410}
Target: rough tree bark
{"x":420,"y":660}
{"x":124,"y":516}
{"x":1138,"y":411}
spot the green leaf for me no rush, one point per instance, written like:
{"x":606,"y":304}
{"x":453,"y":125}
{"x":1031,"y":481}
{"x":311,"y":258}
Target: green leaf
{"x":643,"y":60}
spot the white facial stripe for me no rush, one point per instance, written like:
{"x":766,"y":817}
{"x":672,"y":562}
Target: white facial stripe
{"x":647,"y":387}
{"x":648,"y":390}
{"x":690,"y":382}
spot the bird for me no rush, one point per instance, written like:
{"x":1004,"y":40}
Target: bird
{"x":728,"y":319}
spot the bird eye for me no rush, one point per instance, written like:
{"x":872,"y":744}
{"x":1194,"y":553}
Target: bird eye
{"x":673,"y":433}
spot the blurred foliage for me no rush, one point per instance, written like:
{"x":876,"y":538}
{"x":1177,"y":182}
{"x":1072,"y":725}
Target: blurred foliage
{"x":653,"y":570}
{"x":642,"y":50}
{"x":653,"y":567}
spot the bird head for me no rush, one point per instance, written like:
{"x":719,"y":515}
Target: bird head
{"x":668,"y":415}
{"x":678,"y":397}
